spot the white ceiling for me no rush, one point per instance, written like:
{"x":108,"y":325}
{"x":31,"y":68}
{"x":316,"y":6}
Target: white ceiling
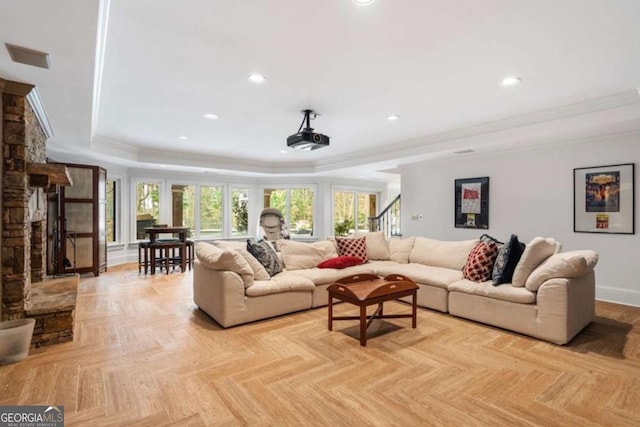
{"x":127,"y":90}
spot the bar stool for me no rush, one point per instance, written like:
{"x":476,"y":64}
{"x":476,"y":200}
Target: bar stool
{"x":190,"y":253}
{"x":167,"y":256}
{"x":143,"y":256}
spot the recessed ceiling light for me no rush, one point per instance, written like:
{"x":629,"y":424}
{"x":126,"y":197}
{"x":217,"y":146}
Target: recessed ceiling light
{"x":283,"y":152}
{"x":257,"y":78}
{"x":393,"y":117}
{"x":511,"y":81}
{"x":183,"y":137}
{"x":363,"y":2}
{"x":210,"y":116}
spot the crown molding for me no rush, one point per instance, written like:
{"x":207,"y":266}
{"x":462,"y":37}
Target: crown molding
{"x":30,"y":92}
{"x":41,"y":114}
{"x":609,"y":115}
{"x":224,"y":164}
{"x":600,"y":112}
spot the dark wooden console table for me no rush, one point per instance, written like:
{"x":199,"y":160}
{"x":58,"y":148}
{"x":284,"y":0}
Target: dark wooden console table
{"x":364,"y":290}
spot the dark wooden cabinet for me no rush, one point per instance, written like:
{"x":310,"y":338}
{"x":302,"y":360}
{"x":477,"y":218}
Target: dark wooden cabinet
{"x":77,"y":223}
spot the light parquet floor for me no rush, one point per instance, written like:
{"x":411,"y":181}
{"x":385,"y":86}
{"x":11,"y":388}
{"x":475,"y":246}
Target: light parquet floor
{"x":144,"y":355}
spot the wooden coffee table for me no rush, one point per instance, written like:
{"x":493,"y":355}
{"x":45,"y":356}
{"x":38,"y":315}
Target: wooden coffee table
{"x":364,"y":290}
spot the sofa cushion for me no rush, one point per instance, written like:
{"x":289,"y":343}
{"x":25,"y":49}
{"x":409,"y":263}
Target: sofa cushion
{"x":224,"y":260}
{"x":536,"y":251}
{"x":563,"y":265}
{"x":505,"y":292}
{"x":353,"y":246}
{"x":506,"y":261}
{"x":281,"y":282}
{"x":400,"y":249}
{"x":425,"y":274}
{"x":325,"y":276}
{"x":480,"y":261}
{"x":377,"y":245}
{"x":341,"y":262}
{"x":259,"y":272}
{"x":266,"y":255}
{"x":381,"y":264}
{"x":439,"y":253}
{"x":301,"y":255}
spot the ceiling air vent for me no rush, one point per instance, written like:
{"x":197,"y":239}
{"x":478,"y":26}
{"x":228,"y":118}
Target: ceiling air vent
{"x":464,"y":152}
{"x":27,"y":56}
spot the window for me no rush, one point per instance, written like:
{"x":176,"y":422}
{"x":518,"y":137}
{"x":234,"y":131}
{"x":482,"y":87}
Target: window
{"x":352,"y":210}
{"x":211,"y":211}
{"x":275,"y":198}
{"x":301,"y":208}
{"x":112,"y":235}
{"x":147,"y":206}
{"x":297,"y":206}
{"x":183,"y":206}
{"x":239,"y":212}
{"x":343,"y":209}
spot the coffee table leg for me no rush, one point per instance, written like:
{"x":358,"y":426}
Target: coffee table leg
{"x":363,"y":325}
{"x":330,"y":312}
{"x":414,"y":311}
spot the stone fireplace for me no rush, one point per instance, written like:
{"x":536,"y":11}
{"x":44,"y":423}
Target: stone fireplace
{"x":25,"y":179}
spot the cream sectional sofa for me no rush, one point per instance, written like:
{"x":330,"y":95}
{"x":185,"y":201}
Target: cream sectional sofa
{"x":552,"y":296}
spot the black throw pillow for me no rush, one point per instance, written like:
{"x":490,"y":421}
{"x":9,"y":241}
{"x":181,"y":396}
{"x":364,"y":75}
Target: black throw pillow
{"x":265,"y":254}
{"x":506,"y":262}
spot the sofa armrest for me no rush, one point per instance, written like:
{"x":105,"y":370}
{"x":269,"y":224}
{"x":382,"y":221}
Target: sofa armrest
{"x":565,"y":307}
{"x":218,"y":293}
{"x":212,"y":257}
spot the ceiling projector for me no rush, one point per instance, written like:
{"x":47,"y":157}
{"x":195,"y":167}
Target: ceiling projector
{"x":307,"y":139}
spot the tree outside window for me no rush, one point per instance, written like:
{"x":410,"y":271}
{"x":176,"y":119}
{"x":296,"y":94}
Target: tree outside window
{"x":276,"y":198}
{"x":352,"y":210}
{"x":211,"y":211}
{"x":239,"y":212}
{"x":147,"y":206}
{"x":301,"y":208}
{"x":343,"y":209}
{"x":183,"y":205}
{"x":111,"y":211}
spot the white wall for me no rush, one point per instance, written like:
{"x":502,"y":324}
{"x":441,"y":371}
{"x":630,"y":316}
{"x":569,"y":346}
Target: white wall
{"x":531,"y":194}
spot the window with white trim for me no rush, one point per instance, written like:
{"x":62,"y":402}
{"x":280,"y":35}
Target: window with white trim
{"x":297,"y":206}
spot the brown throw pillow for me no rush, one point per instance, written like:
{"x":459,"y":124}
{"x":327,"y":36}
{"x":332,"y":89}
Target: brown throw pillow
{"x":349,"y":246}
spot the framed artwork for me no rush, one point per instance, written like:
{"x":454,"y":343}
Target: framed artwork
{"x":603,"y":199}
{"x":472,"y":203}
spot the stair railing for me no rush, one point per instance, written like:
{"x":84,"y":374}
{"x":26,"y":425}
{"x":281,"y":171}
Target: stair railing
{"x":388,"y":220}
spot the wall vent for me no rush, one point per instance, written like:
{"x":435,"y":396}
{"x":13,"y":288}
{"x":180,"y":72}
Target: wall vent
{"x":27,"y":56}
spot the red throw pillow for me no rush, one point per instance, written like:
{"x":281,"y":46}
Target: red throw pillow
{"x":341,"y":262}
{"x":480,"y":262}
{"x":353,"y":246}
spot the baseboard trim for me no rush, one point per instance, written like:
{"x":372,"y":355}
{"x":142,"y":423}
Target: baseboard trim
{"x":618,"y":295}
{"x":119,"y":259}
